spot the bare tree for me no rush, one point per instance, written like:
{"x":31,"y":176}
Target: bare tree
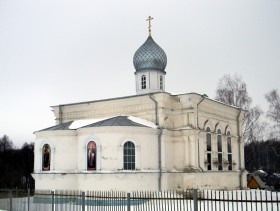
{"x":273,"y":99}
{"x":273,"y":113}
{"x":253,"y":127}
{"x":5,"y":144}
{"x":232,"y":90}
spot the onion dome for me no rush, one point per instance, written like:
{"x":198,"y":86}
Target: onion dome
{"x":150,"y":56}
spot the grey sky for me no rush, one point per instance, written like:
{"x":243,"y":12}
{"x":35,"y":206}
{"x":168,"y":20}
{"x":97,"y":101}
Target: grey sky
{"x":63,"y":51}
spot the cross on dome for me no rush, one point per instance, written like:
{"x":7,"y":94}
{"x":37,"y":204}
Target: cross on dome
{"x":149,"y":19}
{"x":150,"y":56}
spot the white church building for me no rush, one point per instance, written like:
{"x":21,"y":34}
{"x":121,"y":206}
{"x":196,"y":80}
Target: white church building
{"x":153,"y":140}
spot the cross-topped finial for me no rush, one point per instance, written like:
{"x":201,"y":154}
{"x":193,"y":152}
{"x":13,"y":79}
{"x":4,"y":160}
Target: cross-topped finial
{"x":149,"y":19}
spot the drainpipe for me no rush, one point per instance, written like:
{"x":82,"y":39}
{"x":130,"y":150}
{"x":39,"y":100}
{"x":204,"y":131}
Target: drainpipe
{"x":239,"y":150}
{"x":159,"y":142}
{"x":198,"y":146}
{"x":159,"y":159}
{"x":60,"y":114}
{"x":156,"y":107}
{"x":198,"y":151}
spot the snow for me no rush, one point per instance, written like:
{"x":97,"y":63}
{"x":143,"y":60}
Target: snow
{"x":184,"y":128}
{"x":252,"y":200}
{"x":83,"y":122}
{"x":142,"y":121}
{"x":261,"y":171}
{"x":171,"y":201}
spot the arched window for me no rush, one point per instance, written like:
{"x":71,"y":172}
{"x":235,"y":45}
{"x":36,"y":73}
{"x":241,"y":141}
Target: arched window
{"x":229,"y":151}
{"x":208,"y":148}
{"x":46,"y":157}
{"x":220,"y":150}
{"x":161,"y":82}
{"x":91,"y":155}
{"x":143,"y":82}
{"x":129,"y":156}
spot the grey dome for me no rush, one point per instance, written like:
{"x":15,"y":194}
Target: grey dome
{"x":150,"y":56}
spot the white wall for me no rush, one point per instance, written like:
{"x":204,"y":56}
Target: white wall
{"x":69,"y":153}
{"x":152,"y":81}
{"x":184,"y":119}
{"x":50,"y":181}
{"x":63,"y":150}
{"x":118,"y":181}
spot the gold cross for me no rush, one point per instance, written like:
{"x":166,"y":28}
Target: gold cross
{"x":149,"y":19}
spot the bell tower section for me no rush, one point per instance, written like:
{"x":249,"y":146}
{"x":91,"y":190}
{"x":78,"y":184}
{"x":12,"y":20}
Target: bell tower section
{"x":150,"y":62}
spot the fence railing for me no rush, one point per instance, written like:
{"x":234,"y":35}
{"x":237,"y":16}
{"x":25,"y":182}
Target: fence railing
{"x":188,"y":200}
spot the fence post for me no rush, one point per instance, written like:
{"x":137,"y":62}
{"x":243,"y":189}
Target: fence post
{"x":195,"y":201}
{"x":83,"y":201}
{"x":11,"y":201}
{"x":28,"y":199}
{"x":52,"y":192}
{"x":128,"y":201}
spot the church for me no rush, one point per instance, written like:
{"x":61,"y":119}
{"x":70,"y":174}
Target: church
{"x":153,"y":140}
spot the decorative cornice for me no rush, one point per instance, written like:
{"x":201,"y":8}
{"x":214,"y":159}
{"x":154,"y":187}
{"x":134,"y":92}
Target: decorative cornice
{"x":117,"y":129}
{"x":43,"y":134}
{"x":131,"y":105}
{"x":113,"y":111}
{"x":104,"y":129}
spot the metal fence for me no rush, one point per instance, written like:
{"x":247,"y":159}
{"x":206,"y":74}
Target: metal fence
{"x":189,"y":200}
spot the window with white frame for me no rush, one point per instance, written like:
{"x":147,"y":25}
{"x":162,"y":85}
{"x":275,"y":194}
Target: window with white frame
{"x":129,"y":156}
{"x":161,"y":82}
{"x":46,"y":157}
{"x":220,"y":150}
{"x":208,"y":148}
{"x":91,"y":156}
{"x":229,"y":151}
{"x":143,"y":82}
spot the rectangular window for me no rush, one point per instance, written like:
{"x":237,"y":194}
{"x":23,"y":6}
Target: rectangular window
{"x":129,"y":156}
{"x":220,"y":160}
{"x":208,"y":137}
{"x":208,"y":149}
{"x":161,"y":82}
{"x":230,"y":162}
{"x":143,"y":82}
{"x":209,"y":161}
{"x":229,"y":145}
{"x":229,"y":150}
{"x":219,"y":145}
{"x":220,"y":153}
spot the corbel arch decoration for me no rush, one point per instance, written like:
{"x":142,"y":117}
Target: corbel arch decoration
{"x":208,"y":124}
{"x":226,"y":129}
{"x":216,"y":127}
{"x":205,"y":123}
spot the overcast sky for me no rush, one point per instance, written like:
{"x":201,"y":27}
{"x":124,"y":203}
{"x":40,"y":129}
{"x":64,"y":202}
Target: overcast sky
{"x":64,"y":51}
